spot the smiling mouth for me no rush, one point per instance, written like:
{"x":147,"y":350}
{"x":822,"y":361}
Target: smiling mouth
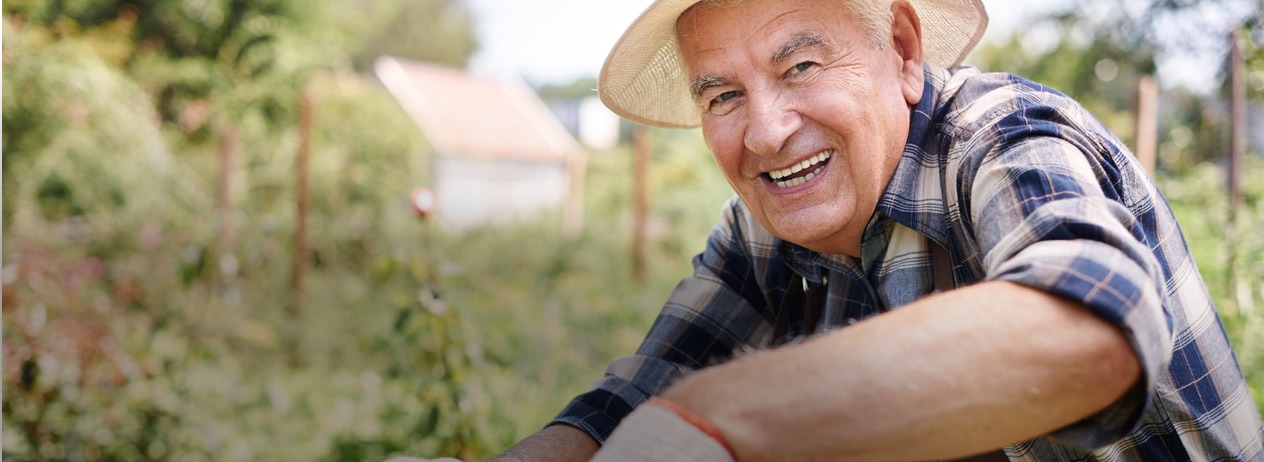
{"x":801,"y":172}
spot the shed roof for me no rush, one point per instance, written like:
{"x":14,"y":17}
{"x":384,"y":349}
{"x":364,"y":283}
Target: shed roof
{"x":466,"y":115}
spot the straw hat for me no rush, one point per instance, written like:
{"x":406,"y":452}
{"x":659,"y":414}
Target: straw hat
{"x":643,"y":79}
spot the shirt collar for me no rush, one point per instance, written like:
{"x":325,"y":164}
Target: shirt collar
{"x":913,"y":198}
{"x":915,"y":194}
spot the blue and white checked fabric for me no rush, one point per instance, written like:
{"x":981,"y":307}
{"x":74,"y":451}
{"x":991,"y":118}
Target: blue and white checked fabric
{"x":1021,"y":184}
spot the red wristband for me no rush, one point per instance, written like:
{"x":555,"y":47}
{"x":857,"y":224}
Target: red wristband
{"x":696,"y":420}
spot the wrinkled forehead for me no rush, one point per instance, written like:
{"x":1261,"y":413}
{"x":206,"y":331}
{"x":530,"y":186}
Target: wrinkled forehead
{"x":716,"y":16}
{"x":767,"y":31}
{"x":728,"y":22}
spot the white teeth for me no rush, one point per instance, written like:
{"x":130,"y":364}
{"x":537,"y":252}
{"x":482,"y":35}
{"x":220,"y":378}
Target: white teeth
{"x":799,"y":167}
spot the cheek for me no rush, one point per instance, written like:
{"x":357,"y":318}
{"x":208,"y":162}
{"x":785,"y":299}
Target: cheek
{"x":726,"y":145}
{"x":868,"y":180}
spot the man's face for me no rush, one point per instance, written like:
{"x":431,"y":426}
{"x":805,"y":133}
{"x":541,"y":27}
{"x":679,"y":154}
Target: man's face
{"x":805,"y":115}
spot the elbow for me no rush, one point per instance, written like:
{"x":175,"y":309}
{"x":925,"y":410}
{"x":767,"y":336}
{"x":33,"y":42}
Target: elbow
{"x":1109,"y":366}
{"x":1118,"y":365}
{"x":1089,"y":359}
{"x":1106,"y":398}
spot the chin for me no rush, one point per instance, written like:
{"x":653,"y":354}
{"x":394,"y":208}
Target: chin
{"x":825,"y":239}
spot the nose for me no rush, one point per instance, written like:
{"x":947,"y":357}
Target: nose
{"x":770,"y":122}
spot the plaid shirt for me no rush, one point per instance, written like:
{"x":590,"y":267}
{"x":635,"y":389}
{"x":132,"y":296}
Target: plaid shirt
{"x":1019,"y":183}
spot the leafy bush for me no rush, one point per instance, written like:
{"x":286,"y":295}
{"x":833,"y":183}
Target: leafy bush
{"x":377,"y":368}
{"x":81,"y":139}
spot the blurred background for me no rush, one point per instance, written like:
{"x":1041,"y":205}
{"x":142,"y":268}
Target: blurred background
{"x":350,"y":229}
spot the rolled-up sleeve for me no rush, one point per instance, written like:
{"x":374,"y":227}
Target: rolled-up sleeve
{"x":708,"y":318}
{"x":1045,"y":217}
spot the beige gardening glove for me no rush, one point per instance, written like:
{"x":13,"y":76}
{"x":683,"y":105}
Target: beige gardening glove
{"x":653,"y":432}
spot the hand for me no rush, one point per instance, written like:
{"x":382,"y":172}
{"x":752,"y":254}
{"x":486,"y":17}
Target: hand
{"x":418,"y":459}
{"x":652,"y":432}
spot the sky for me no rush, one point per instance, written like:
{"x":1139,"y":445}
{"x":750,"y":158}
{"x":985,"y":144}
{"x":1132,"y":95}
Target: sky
{"x":559,"y":41}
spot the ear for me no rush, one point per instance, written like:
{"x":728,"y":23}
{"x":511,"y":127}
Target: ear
{"x":906,"y":36}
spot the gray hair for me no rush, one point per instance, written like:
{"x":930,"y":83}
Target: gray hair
{"x":875,"y":16}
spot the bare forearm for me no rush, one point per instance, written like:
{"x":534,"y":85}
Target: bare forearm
{"x":957,"y":374}
{"x":561,"y":443}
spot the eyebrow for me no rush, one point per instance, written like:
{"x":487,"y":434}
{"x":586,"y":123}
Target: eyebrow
{"x":701,"y":83}
{"x":798,"y":42}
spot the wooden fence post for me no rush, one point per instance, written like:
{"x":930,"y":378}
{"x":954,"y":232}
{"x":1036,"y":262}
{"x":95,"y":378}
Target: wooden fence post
{"x":302,"y":204}
{"x":1237,"y":137}
{"x":1244,"y":302}
{"x":223,"y":193}
{"x":573,"y":207}
{"x":640,"y":190}
{"x":1147,"y":122}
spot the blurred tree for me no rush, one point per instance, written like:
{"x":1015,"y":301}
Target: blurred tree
{"x":63,"y":107}
{"x":188,"y":53}
{"x":113,"y":111}
{"x":579,"y":88}
{"x":1095,"y":51}
{"x":216,"y":61}
{"x":1252,"y":33}
{"x":438,"y":31}
{"x":221,"y":74}
{"x":1057,"y":51}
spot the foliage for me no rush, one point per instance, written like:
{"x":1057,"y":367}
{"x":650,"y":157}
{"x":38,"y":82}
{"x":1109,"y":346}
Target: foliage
{"x":412,"y":28}
{"x":135,"y":329}
{"x":202,"y":61}
{"x":1106,"y":70}
{"x":1251,"y":39}
{"x":383,"y":368}
{"x":144,"y":317}
{"x":580,"y":88}
{"x":62,"y":107}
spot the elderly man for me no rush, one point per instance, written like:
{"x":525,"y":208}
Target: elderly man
{"x":922,"y":261}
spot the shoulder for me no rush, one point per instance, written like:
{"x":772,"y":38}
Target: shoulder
{"x":983,"y":116}
{"x":974,"y":102}
{"x":996,"y":128}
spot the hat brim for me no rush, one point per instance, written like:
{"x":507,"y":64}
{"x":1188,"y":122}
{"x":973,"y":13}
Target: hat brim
{"x":643,"y":78}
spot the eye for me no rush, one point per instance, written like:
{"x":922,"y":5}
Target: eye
{"x":799,"y":68}
{"x":723,"y":103}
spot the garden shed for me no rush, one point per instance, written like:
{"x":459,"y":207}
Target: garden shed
{"x":501,"y":155}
